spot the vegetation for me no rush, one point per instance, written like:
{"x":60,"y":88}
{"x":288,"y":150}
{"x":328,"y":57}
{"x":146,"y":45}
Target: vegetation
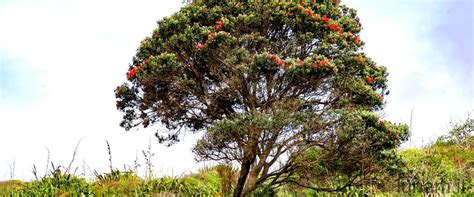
{"x":281,"y":88}
{"x":426,"y":177}
{"x":442,"y":168}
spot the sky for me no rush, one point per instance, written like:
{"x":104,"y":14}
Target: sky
{"x":60,"y":61}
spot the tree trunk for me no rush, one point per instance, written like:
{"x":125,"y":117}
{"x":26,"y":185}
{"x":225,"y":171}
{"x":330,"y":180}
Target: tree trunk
{"x":244,"y":172}
{"x":249,"y":158}
{"x":251,"y":181}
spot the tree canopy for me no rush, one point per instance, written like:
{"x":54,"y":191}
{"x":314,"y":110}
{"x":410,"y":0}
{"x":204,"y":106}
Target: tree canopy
{"x":266,"y":83}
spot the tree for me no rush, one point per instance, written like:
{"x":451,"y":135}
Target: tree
{"x":358,"y":153}
{"x":460,"y":133}
{"x":265,"y":82}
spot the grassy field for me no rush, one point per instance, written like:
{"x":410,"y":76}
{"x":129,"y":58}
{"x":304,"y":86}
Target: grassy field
{"x":441,"y":169}
{"x":211,"y":181}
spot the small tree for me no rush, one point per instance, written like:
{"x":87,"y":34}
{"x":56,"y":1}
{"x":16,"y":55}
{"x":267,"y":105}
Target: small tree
{"x":460,"y":133}
{"x":265,"y":82}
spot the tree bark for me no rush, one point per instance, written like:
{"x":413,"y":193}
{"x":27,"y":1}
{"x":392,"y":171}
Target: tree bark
{"x":249,"y":158}
{"x":251,"y":180}
{"x":244,"y":172}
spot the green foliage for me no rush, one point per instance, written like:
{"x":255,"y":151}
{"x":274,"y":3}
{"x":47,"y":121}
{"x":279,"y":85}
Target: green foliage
{"x":427,"y":171}
{"x":57,"y":183}
{"x":116,"y":181}
{"x":264,"y":190}
{"x":461,"y":134}
{"x":362,"y":149}
{"x":446,"y":166}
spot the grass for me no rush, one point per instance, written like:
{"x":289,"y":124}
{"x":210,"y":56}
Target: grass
{"x":115,"y":183}
{"x":219,"y":180}
{"x":207,"y":182}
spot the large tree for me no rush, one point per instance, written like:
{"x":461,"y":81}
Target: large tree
{"x":266,"y":82}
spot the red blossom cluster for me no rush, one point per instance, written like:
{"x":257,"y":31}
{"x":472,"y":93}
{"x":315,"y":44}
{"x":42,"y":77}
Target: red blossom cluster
{"x":325,"y":19}
{"x":220,"y":24}
{"x":358,"y":58}
{"x":323,"y":63}
{"x":133,"y":71}
{"x":301,"y":9}
{"x":356,"y":39}
{"x":382,"y":122}
{"x":301,"y":63}
{"x":277,"y":60}
{"x":370,"y":80}
{"x":334,"y":27}
{"x":199,"y":46}
{"x":282,"y":63}
{"x":211,"y":36}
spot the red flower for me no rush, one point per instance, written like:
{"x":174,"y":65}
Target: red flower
{"x":219,"y":24}
{"x":358,"y":58}
{"x":250,"y":36}
{"x":325,"y":18}
{"x":309,"y":12}
{"x":356,"y":40}
{"x":289,"y":13}
{"x":199,"y":46}
{"x":382,"y":122}
{"x":323,"y":63}
{"x":281,"y":63}
{"x":300,"y":8}
{"x":370,"y":80}
{"x":131,"y":73}
{"x":301,"y":62}
{"x":334,"y":69}
{"x":334,"y":27}
{"x":212,"y":35}
{"x":315,"y":65}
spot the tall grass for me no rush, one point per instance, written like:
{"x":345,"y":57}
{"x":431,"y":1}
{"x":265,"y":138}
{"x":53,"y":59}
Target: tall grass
{"x":220,"y":180}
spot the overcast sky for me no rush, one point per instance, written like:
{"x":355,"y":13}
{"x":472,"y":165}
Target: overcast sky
{"x":60,"y":61}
